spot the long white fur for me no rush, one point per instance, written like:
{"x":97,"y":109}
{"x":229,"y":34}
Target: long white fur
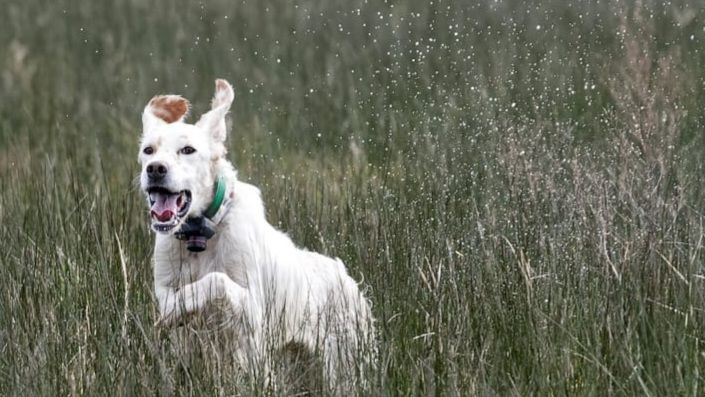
{"x":275,"y":292}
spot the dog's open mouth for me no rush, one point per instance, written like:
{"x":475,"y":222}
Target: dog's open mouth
{"x":167,"y":208}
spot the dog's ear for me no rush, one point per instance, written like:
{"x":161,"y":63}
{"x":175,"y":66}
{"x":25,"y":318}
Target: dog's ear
{"x":214,"y":120}
{"x":164,"y":109}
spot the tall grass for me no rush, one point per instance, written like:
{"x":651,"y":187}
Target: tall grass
{"x":517,"y":184}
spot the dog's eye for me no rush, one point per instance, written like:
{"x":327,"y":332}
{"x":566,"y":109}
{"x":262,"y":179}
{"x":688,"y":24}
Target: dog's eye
{"x":187,"y":150}
{"x":148,"y":150}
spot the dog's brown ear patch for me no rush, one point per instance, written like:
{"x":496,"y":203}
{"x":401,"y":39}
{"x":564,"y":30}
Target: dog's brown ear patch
{"x":170,"y":108}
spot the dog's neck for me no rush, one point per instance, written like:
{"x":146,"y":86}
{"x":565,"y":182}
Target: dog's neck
{"x":197,"y":230}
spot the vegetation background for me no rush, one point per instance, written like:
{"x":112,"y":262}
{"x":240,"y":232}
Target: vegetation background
{"x":519,"y":184}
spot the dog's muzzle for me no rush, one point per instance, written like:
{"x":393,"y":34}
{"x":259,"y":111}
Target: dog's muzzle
{"x":167,"y":208}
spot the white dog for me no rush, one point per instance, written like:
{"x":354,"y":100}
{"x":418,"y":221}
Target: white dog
{"x":214,"y":245}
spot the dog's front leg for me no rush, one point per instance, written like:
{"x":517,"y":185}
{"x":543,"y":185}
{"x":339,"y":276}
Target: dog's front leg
{"x":175,"y":303}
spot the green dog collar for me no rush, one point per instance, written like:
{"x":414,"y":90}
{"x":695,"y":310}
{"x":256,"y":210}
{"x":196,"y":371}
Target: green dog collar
{"x":218,"y":197}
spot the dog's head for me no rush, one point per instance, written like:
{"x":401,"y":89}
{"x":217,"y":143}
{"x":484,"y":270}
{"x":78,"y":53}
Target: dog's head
{"x":179,"y":159}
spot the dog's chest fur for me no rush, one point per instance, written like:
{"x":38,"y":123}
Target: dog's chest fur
{"x":177,"y":266}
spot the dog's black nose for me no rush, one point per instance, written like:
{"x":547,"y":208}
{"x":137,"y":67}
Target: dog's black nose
{"x":156,"y":171}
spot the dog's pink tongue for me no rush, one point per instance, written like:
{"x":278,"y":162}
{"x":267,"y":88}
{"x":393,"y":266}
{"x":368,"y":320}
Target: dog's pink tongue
{"x":164,"y":207}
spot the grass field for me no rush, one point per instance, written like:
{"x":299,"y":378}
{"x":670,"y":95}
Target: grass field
{"x":519,"y":185}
